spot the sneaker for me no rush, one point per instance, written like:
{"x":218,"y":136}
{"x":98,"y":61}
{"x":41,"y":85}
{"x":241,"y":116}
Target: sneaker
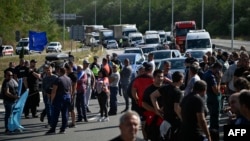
{"x":62,"y":132}
{"x":100,"y":119}
{"x":50,"y":132}
{"x":72,"y":126}
{"x":106,"y":119}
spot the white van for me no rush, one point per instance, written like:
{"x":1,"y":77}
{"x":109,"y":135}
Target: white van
{"x":134,"y":39}
{"x":198,"y":39}
{"x":24,"y":42}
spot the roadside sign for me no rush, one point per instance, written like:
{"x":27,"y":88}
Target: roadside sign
{"x":77,"y":32}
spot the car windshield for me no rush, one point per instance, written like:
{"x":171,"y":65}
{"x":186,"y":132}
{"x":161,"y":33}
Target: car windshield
{"x":152,"y":41}
{"x":136,"y":38}
{"x":198,"y":43}
{"x":147,"y":50}
{"x":20,"y":44}
{"x":133,"y":51}
{"x":53,"y":44}
{"x":161,"y":55}
{"x":111,"y":42}
{"x":182,"y":32}
{"x":130,"y":57}
{"x":175,"y":64}
{"x":198,"y":54}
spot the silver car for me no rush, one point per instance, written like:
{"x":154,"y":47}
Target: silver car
{"x":177,"y":64}
{"x":112,"y":44}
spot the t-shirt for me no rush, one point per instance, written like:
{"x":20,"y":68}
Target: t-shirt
{"x":13,"y":89}
{"x":210,"y":80}
{"x":48,"y":82}
{"x":148,"y":92}
{"x":33,"y":82}
{"x":190,"y":106}
{"x":73,"y":77}
{"x":190,"y":84}
{"x":126,"y":75}
{"x":170,"y":95}
{"x":140,"y":84}
{"x":9,"y":69}
{"x":116,"y":77}
{"x":63,"y":84}
{"x":21,"y":71}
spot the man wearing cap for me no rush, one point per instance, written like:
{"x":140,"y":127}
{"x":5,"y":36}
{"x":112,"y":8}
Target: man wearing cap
{"x":32,"y":82}
{"x":90,"y":85}
{"x":94,"y":63}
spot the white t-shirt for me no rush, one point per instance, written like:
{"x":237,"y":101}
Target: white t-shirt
{"x":116,"y":76}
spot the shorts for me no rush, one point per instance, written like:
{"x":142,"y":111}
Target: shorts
{"x":72,"y":103}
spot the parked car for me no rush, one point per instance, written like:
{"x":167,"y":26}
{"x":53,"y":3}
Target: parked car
{"x":177,"y":64}
{"x":134,"y":58}
{"x":135,"y":50}
{"x":112,"y":44}
{"x":164,"y":54}
{"x":7,"y":50}
{"x":54,"y":47}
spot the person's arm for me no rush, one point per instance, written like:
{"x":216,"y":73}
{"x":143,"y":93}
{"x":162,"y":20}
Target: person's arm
{"x":25,"y":82}
{"x":93,"y":80}
{"x":37,"y":75}
{"x":147,"y":107}
{"x":203,"y":124}
{"x":134,"y":94}
{"x":73,"y":88}
{"x":53,"y":92}
{"x":153,"y":98}
{"x":177,"y":109}
{"x":216,"y":87}
{"x":8,"y":94}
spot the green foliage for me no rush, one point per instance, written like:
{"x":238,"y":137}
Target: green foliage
{"x":25,"y":15}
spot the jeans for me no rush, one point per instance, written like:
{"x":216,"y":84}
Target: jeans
{"x":8,"y":109}
{"x":88,"y":95}
{"x":213,"y":104}
{"x":113,"y":99}
{"x":125,"y":95}
{"x":60,"y":106}
{"x":81,"y":106}
{"x":48,"y":108}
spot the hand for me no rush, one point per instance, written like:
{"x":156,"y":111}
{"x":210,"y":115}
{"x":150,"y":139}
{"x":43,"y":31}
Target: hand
{"x":159,"y":113}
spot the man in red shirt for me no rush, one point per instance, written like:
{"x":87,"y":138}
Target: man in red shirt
{"x":139,"y":85}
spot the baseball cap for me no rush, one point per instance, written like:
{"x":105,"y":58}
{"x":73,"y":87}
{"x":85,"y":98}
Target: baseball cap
{"x":85,"y":62}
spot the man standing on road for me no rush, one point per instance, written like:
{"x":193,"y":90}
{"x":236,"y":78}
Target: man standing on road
{"x":213,"y":79}
{"x":171,"y":98}
{"x":126,"y":75}
{"x":10,"y":91}
{"x":47,"y":84}
{"x":73,"y":77}
{"x":90,"y":83}
{"x":32,"y":82}
{"x":60,"y":98}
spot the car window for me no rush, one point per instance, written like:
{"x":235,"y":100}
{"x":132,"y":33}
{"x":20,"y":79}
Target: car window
{"x":162,"y":55}
{"x":147,"y":50}
{"x":133,"y":51}
{"x":173,"y":54}
{"x":130,"y":57}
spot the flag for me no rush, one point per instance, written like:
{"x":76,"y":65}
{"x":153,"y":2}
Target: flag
{"x":37,"y":40}
{"x":17,"y":110}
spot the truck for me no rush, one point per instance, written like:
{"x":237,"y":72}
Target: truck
{"x":134,"y":39}
{"x":122,"y":31}
{"x":92,"y":39}
{"x":105,"y":36}
{"x":180,"y":32}
{"x":93,"y":28}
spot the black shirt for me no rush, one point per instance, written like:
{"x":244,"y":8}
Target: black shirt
{"x":148,"y":92}
{"x":33,"y":82}
{"x":73,"y":77}
{"x":170,"y":95}
{"x":190,"y":106}
{"x":21,"y":71}
{"x":9,"y":69}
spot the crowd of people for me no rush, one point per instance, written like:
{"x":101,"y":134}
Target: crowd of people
{"x":170,"y":106}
